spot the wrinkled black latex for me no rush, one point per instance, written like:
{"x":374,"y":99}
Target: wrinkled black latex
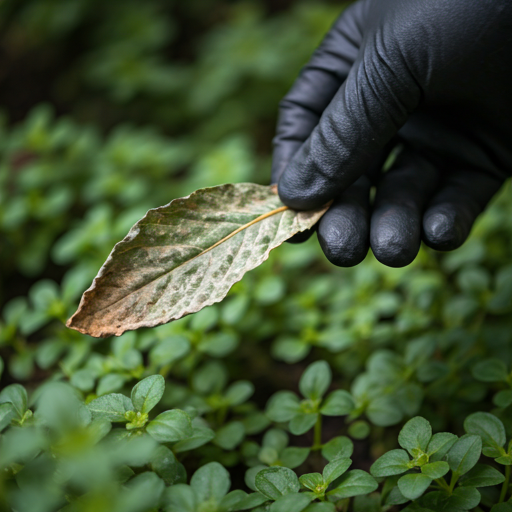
{"x":432,"y":75}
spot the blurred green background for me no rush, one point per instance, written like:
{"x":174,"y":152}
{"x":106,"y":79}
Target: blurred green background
{"x":110,"y":108}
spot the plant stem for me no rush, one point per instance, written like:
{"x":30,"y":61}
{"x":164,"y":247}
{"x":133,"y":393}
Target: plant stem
{"x":442,"y":483}
{"x":453,"y":481}
{"x":221,"y":415}
{"x":505,"y":485}
{"x":317,"y":438}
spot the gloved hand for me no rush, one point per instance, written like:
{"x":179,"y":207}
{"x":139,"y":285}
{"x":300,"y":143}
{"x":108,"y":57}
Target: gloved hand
{"x":434,"y":75}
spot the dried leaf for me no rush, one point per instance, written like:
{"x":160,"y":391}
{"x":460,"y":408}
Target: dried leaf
{"x":186,"y":255}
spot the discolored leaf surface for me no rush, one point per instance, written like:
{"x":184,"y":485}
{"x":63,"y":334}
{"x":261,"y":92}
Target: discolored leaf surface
{"x":186,"y":255}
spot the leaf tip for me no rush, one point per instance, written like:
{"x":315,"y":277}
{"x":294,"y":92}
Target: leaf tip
{"x":89,"y":330}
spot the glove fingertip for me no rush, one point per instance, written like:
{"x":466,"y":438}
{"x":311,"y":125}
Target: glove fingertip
{"x":443,"y":230}
{"x":302,"y":194}
{"x":343,"y":239}
{"x":395,"y":235}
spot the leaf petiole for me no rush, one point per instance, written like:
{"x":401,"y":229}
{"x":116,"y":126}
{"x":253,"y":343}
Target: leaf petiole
{"x":505,"y":485}
{"x":442,"y":483}
{"x":317,"y":436}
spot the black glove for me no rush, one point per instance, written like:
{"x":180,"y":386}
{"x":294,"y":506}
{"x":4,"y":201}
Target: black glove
{"x":433,"y":75}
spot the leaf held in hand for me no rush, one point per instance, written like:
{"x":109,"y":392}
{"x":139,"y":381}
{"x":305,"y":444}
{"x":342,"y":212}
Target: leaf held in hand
{"x":186,"y":255}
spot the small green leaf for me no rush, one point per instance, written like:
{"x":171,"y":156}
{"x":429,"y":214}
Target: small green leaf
{"x":415,"y":434}
{"x":218,"y":344}
{"x":433,"y":370}
{"x":359,"y":429}
{"x":412,"y":486}
{"x":83,"y":379}
{"x":505,"y":460}
{"x":239,"y":392}
{"x":293,"y":456}
{"x":276,"y":482}
{"x":434,"y":501}
{"x":180,"y":498}
{"x":311,"y":480}
{"x":464,"y":454}
{"x":250,"y":501}
{"x":340,"y":446}
{"x":291,"y":502}
{"x":275,"y":438}
{"x":270,"y":290}
{"x":111,"y":407}
{"x":335,"y":469}
{"x":315,"y":380}
{"x":419,"y":351}
{"x":170,"y":426}
{"x":322,"y":506}
{"x":488,"y":427}
{"x":21,"y":444}
{"x":503,"y":398}
{"x":353,"y":483}
{"x":15,"y":394}
{"x":210,"y":481}
{"x":492,"y":452}
{"x":268,"y":455}
{"x":439,"y":445}
{"x":474,"y":280}
{"x":490,"y":370}
{"x":395,"y":497}
{"x":165,"y":465}
{"x":7,"y":413}
{"x":482,"y":476}
{"x":231,"y":500}
{"x":143,"y":492}
{"x":230,"y":435}
{"x":250,"y":476}
{"x":391,"y":463}
{"x":205,"y":319}
{"x":290,"y":349}
{"x":283,"y":406}
{"x":124,"y":473}
{"x":199,"y":437}
{"x":169,"y":350}
{"x":464,"y":498}
{"x":147,"y":393}
{"x":338,"y":403}
{"x":384,"y":411}
{"x":435,"y":469}
{"x":210,"y":378}
{"x":233,"y":310}
{"x":502,"y":507}
{"x":255,"y":423}
{"x":410,"y":397}
{"x":110,"y":383}
{"x":303,"y":422}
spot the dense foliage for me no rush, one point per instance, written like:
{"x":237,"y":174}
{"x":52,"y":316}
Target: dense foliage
{"x":310,"y":387}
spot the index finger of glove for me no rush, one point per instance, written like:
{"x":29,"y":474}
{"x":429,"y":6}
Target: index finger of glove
{"x":301,"y":109}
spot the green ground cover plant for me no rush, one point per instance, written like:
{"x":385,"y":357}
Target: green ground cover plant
{"x":308,"y":388}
